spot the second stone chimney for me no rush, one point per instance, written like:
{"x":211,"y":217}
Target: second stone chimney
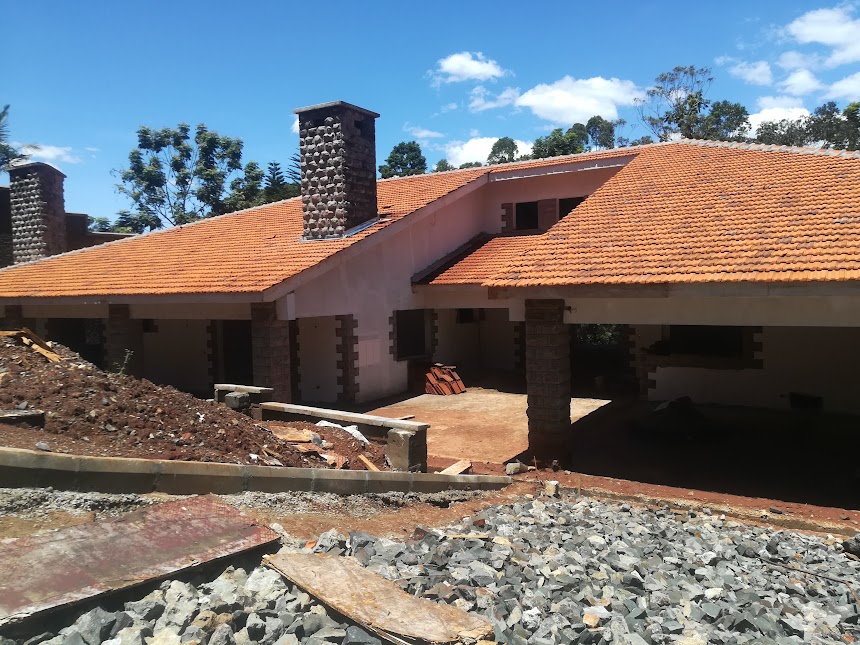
{"x":337,"y":146}
{"x":38,"y":211}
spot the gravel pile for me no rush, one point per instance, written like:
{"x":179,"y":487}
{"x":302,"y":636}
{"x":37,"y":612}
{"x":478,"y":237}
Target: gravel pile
{"x":542,"y":572}
{"x":39,"y":502}
{"x":595,"y":572}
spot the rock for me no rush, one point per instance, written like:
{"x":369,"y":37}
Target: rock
{"x":34,"y":640}
{"x":150,"y":607}
{"x":165,"y":637}
{"x":330,"y":540}
{"x":550,"y":488}
{"x":256,"y":627}
{"x":95,"y":626}
{"x":131,"y":636}
{"x":237,"y":400}
{"x":357,"y":636}
{"x":222,"y":635}
{"x":41,"y":445}
{"x":515,"y":468}
{"x":852,"y":545}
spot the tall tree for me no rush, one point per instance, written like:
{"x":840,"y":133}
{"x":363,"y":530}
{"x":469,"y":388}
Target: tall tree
{"x":442,"y":165}
{"x":405,"y":160}
{"x":726,"y":121}
{"x":827,"y":127}
{"x":601,"y":133}
{"x":504,"y":150}
{"x":246,"y":190}
{"x":675,"y":102}
{"x":559,"y":142}
{"x":174,"y":179}
{"x":275,"y":185}
{"x":471,"y":164}
{"x":8,"y":153}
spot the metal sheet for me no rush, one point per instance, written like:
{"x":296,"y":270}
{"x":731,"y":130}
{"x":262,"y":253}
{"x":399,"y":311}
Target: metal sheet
{"x":51,"y":570}
{"x":376,"y":603}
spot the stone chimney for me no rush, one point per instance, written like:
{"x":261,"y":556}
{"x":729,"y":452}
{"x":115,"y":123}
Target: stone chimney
{"x":38,"y":211}
{"x":337,"y":146}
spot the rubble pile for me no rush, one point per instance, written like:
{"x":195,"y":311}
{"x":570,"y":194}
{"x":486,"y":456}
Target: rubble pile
{"x":542,"y":572}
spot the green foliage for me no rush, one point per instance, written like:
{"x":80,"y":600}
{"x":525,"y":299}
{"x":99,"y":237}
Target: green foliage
{"x":558,"y":143}
{"x":442,"y":165}
{"x":246,"y":190}
{"x":599,"y":334}
{"x":471,"y":164}
{"x":275,"y":185}
{"x":174,"y":179}
{"x":601,"y":133}
{"x":8,"y":154}
{"x":504,"y":150}
{"x":405,"y":160}
{"x":676,"y":105}
{"x":128,"y":222}
{"x":827,"y":126}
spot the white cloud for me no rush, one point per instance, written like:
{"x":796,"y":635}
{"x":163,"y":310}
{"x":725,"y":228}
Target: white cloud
{"x":800,"y":82}
{"x":765,"y":102}
{"x":796,"y":60}
{"x":91,"y":149}
{"x":474,"y":133}
{"x":847,"y":88}
{"x":834,"y":28}
{"x":776,"y":114}
{"x":755,"y":73}
{"x":421,"y":133}
{"x":295,"y":127}
{"x":478,"y":149}
{"x":448,"y":107}
{"x":466,"y":66}
{"x":51,"y":154}
{"x":570,"y":100}
{"x":481,"y":99}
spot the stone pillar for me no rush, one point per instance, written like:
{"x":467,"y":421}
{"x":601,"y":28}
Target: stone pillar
{"x":123,"y":341}
{"x":548,"y":379}
{"x":337,"y":146}
{"x":347,"y":358}
{"x":38,"y":211}
{"x":270,"y":350}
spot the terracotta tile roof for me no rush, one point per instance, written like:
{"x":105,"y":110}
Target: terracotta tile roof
{"x":248,"y":251}
{"x":694,"y":212}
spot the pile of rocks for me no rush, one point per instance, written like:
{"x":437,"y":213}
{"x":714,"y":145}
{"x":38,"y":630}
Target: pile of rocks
{"x":595,"y":572}
{"x":543,"y":572}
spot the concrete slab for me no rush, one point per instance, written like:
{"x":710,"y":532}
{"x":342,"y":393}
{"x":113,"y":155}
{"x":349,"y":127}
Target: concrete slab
{"x":479,"y":425}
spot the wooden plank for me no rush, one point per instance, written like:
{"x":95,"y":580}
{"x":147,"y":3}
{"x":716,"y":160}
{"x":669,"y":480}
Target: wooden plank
{"x":376,"y":603}
{"x":58,"y":568}
{"x":370,"y":465}
{"x":406,"y":417}
{"x":47,"y":353}
{"x":341,"y":415}
{"x":292,"y":434}
{"x":457,"y":468}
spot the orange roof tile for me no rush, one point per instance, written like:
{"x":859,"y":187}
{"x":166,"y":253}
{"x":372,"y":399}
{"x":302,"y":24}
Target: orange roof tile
{"x":694,"y":212}
{"x":242,"y":252}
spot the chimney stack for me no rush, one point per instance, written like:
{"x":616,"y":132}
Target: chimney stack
{"x":38,"y":211}
{"x":337,"y":146}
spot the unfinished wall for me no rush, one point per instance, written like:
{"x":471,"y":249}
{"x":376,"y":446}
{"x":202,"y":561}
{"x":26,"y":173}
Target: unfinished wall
{"x":487,"y":343}
{"x":176,"y":352}
{"x":820,"y":361}
{"x":317,"y":359}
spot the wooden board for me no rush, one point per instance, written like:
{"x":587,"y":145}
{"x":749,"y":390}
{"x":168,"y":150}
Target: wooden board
{"x":369,"y":464}
{"x":374,"y":602}
{"x":462,"y":466}
{"x":292,"y":434}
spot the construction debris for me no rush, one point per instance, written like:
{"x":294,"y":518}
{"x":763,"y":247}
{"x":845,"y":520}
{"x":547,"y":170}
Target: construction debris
{"x":458,"y":468}
{"x":31,"y":340}
{"x":376,"y":604}
{"x":62,"y":567}
{"x":443,"y":379}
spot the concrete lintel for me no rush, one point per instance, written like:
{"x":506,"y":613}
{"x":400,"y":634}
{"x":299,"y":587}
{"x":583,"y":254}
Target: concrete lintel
{"x":341,"y":415}
{"x":30,"y":468}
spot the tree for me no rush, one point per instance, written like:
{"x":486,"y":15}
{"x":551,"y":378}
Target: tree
{"x":471,"y":164}
{"x":504,"y":150}
{"x":442,"y":165}
{"x":558,"y":143}
{"x":8,"y":153}
{"x":827,"y":127}
{"x":726,"y":121}
{"x":246,"y":190}
{"x":601,"y":133}
{"x":275,"y":185}
{"x":174,"y":179}
{"x":405,"y":160}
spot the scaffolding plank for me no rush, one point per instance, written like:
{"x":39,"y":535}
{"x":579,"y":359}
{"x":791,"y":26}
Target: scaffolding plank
{"x":55,"y":569}
{"x":376,"y":603}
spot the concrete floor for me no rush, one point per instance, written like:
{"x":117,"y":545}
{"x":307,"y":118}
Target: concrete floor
{"x":480,"y":424}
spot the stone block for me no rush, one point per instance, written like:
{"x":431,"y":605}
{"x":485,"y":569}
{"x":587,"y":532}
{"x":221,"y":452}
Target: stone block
{"x":406,"y":450}
{"x":239,"y":401}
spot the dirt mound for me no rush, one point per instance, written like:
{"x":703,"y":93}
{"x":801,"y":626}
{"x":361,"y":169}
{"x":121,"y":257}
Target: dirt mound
{"x":93,"y":412}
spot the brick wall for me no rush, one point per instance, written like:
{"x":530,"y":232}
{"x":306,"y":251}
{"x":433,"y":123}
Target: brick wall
{"x":509,"y":224}
{"x":123,"y":341}
{"x":548,"y":378}
{"x":347,"y":358}
{"x":270,"y":350}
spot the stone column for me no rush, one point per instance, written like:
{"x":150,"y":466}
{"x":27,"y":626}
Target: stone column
{"x":548,"y":379}
{"x":38,"y":211}
{"x":347,"y":358}
{"x":270,"y":350}
{"x":123,"y":341}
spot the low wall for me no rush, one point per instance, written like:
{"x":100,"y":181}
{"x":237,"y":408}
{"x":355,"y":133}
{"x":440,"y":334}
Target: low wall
{"x":29,"y":468}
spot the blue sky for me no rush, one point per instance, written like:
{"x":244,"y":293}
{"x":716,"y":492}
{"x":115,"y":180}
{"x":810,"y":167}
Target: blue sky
{"x":82,"y":76}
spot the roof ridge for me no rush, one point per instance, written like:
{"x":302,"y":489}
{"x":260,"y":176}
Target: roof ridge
{"x":770,"y":147}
